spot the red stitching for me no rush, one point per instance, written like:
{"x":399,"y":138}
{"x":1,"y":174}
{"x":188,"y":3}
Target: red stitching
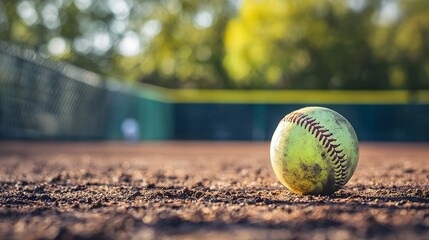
{"x":325,"y":137}
{"x":316,"y":128}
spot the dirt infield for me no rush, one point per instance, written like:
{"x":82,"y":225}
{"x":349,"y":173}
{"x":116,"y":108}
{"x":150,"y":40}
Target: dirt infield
{"x":202,"y":191}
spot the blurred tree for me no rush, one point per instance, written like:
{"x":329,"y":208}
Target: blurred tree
{"x":171,"y":43}
{"x":323,"y":44}
{"x":181,"y":44}
{"x":403,"y":41}
{"x":304,"y":44}
{"x":76,"y":31}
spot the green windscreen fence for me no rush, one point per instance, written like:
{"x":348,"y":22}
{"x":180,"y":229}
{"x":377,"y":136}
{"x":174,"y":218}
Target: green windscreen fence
{"x":42,"y":99}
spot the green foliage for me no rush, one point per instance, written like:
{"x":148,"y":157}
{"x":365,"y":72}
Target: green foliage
{"x":329,"y":44}
{"x":171,"y":43}
{"x":187,"y":51}
{"x":306,"y":44}
{"x":404,"y":45}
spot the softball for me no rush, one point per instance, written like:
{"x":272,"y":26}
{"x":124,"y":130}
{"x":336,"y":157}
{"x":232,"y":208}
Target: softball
{"x":314,"y":150}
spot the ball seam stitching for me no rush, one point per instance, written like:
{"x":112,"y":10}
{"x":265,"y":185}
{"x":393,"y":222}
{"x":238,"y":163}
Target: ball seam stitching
{"x":325,"y":137}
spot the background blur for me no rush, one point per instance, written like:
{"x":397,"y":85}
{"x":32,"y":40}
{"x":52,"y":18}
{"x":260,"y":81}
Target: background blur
{"x":210,"y":70}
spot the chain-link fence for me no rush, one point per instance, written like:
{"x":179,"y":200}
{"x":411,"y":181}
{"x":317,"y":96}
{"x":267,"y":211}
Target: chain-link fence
{"x":42,"y":99}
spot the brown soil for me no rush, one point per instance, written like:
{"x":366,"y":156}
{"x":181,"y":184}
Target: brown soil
{"x":203,"y":190}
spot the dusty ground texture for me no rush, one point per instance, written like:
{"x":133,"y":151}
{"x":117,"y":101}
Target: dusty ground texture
{"x":202,"y":191}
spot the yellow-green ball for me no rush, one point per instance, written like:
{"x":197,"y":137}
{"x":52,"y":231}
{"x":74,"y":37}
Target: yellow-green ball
{"x":314,"y":150}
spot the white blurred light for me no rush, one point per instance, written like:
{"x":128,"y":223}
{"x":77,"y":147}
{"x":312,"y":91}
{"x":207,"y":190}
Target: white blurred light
{"x":50,"y":16}
{"x":390,"y":12}
{"x":130,"y":129}
{"x":102,"y":42}
{"x":357,"y":5}
{"x":57,"y":46}
{"x":83,"y":4}
{"x":129,"y":44}
{"x":118,"y":26}
{"x":203,"y":19}
{"x":27,"y":12}
{"x":82,"y":45}
{"x":120,"y":8}
{"x":151,"y":28}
